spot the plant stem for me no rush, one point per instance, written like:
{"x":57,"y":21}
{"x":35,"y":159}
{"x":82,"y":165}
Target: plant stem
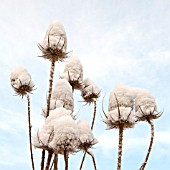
{"x":55,"y":162}
{"x":42,"y":160}
{"x":29,"y":123}
{"x":50,"y":85}
{"x":83,"y":160}
{"x":94,"y":115}
{"x":66,"y":159}
{"x":119,"y":162}
{"x":150,"y":146}
{"x":93,"y":159}
{"x":48,"y":160}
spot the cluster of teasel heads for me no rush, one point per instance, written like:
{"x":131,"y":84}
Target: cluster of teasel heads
{"x":61,"y":132}
{"x":127,"y":106}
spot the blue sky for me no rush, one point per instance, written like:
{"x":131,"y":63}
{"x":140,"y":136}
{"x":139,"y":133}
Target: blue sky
{"x":117,"y":42}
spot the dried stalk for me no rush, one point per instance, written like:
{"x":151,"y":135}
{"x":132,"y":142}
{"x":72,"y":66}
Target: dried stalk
{"x":42,"y":160}
{"x":150,"y":146}
{"x":120,"y":148}
{"x":66,"y":159}
{"x":29,"y":122}
{"x":50,"y":85}
{"x":94,"y":115}
{"x":93,"y":159}
{"x":48,"y":103}
{"x":83,"y":160}
{"x":48,"y":160}
{"x":55,"y":162}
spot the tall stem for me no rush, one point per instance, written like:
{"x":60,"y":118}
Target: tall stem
{"x":42,"y":160}
{"x":50,"y":85}
{"x":29,"y":125}
{"x":48,"y":103}
{"x":66,"y":159}
{"x":83,"y":160}
{"x":119,"y":162}
{"x":94,"y":115}
{"x":93,"y":159}
{"x":150,"y":146}
{"x":48,"y":160}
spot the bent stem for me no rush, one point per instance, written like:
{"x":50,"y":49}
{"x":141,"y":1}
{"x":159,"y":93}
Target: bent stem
{"x":93,"y":159}
{"x":94,"y":115}
{"x":48,"y":160}
{"x":29,"y":125}
{"x":119,"y":162}
{"x":66,"y":159}
{"x":83,"y":160}
{"x":150,"y":146}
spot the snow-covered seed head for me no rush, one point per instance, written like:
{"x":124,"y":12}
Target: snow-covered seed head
{"x":54,"y":44}
{"x":73,"y":72}
{"x":145,"y":106}
{"x":87,"y":139}
{"x":44,"y":136}
{"x":120,"y":117}
{"x":21,"y":81}
{"x":62,"y":96}
{"x":66,"y":135}
{"x":90,"y":91}
{"x":124,"y":96}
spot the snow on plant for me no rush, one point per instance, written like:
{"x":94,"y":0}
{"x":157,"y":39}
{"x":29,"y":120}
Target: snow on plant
{"x":62,"y":96}
{"x":87,"y":140}
{"x":90,"y":93}
{"x":73,"y":72}
{"x":22,"y":84}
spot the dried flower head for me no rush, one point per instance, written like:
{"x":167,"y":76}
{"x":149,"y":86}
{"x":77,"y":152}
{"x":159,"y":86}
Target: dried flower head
{"x":54,"y":44}
{"x":90,"y":91}
{"x":121,"y":116}
{"x":62,"y":96}
{"x":87,"y":139}
{"x":73,"y":72}
{"x":46,"y":134}
{"x":145,"y":106}
{"x":21,"y":81}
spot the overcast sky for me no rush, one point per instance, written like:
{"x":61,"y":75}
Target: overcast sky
{"x":117,"y":41}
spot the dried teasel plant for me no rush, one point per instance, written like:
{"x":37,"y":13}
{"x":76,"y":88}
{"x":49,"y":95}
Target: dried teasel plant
{"x":146,"y":110}
{"x":23,"y":85}
{"x":90,"y":93}
{"x":53,"y":47}
{"x":120,"y":115}
{"x":87,"y":141}
{"x":73,"y":73}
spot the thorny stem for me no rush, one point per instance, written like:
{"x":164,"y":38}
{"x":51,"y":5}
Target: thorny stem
{"x":48,"y":102}
{"x":42,"y":160}
{"x":48,"y":160}
{"x":50,"y":85}
{"x":94,"y":115}
{"x":150,"y":146}
{"x":120,"y":148}
{"x":66,"y":159}
{"x":93,"y":159}
{"x":83,"y":160}
{"x":29,"y":122}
